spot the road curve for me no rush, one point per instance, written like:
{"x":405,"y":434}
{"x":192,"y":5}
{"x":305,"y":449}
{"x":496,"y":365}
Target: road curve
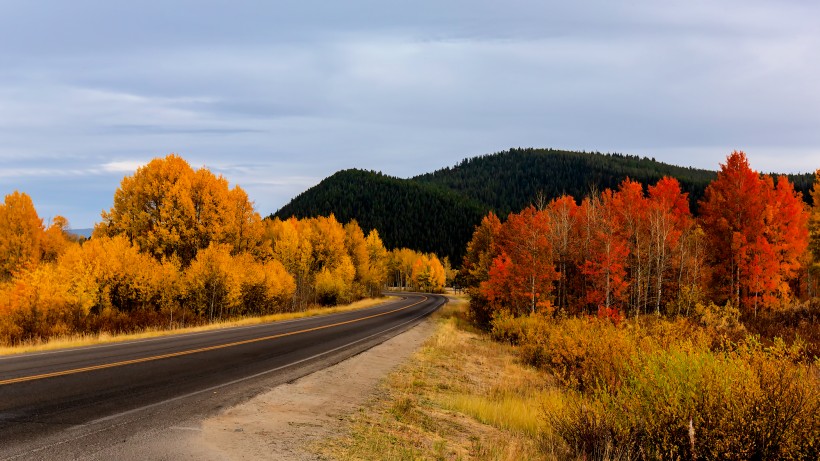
{"x":65,"y":404}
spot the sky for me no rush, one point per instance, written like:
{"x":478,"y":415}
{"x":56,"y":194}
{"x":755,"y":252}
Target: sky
{"x":277,"y":95}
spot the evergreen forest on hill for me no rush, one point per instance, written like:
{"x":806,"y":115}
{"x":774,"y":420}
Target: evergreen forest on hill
{"x":408,"y":213}
{"x":437,"y":211}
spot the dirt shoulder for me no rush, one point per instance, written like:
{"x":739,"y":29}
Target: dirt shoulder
{"x":283,"y":423}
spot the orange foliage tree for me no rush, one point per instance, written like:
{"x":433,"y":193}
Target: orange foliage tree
{"x":757,"y":232}
{"x":522,"y":274}
{"x":564,"y":220}
{"x":669,"y":219}
{"x":607,"y":250}
{"x":169,"y":209}
{"x":616,"y":251}
{"x":21,"y":232}
{"x":475,"y":268}
{"x":330,"y":262}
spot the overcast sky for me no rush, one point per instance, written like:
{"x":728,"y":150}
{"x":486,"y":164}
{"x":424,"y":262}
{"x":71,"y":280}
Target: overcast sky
{"x":278,"y":95}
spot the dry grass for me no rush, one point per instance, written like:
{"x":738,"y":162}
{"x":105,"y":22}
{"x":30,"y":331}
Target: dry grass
{"x":461,"y":397}
{"x":105,"y":338}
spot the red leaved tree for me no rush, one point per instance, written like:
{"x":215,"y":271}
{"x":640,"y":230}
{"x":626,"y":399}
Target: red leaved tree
{"x":523,"y":272}
{"x":756,"y":233}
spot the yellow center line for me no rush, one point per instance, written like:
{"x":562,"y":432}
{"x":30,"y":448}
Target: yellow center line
{"x":23,"y":379}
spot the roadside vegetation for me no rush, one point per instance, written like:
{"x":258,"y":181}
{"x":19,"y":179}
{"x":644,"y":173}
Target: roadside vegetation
{"x":461,"y":396}
{"x":587,"y":388}
{"x":90,"y":339}
{"x":623,"y":328}
{"x":179,"y":249}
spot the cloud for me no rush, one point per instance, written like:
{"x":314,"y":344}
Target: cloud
{"x":124,"y":166}
{"x":276,"y":96}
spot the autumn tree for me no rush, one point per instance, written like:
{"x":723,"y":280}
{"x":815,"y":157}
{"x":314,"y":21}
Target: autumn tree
{"x":814,"y":229}
{"x":21,"y":234}
{"x":606,"y":251}
{"x":522,"y":274}
{"x":756,"y":232}
{"x":401,"y":266}
{"x":36,"y":305}
{"x":428,"y":273}
{"x":377,"y":264}
{"x":110,"y":274}
{"x":631,"y":207}
{"x":691,"y":272}
{"x":291,"y":244}
{"x":360,"y":257}
{"x":169,"y":209}
{"x":334,"y":267}
{"x":668,"y":218}
{"x":55,"y":240}
{"x":475,"y":268}
{"x":212,"y":285}
{"x":264,"y":287}
{"x":564,"y":224}
{"x":245,"y":228}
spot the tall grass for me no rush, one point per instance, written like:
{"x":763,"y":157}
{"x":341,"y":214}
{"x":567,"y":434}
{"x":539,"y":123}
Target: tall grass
{"x":461,"y":397}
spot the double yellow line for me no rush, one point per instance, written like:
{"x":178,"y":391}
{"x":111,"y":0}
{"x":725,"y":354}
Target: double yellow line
{"x":23,"y":379}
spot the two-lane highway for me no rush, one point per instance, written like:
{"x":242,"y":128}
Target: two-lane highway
{"x":66,"y":404}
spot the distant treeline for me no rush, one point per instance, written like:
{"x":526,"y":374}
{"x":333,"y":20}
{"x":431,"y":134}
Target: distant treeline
{"x":180,"y":247}
{"x":436,"y":212}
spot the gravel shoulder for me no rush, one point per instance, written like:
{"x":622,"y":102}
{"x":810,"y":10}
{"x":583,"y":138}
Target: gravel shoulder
{"x":286,"y":421}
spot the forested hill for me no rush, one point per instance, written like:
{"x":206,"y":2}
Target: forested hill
{"x":437,"y":211}
{"x":406,"y":213}
{"x":509,"y":181}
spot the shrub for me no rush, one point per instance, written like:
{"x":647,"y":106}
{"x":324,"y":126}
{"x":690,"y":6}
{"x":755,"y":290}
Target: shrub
{"x":665,"y":394}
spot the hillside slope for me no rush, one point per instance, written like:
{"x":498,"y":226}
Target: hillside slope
{"x":509,"y":181}
{"x":406,"y":213}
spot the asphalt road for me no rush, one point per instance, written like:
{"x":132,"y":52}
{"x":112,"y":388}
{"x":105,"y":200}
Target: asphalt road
{"x":73,"y":403}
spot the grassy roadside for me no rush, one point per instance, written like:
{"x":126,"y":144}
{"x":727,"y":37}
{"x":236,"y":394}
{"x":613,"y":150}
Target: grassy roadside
{"x":650,"y":389}
{"x":105,"y":338}
{"x":461,"y":396}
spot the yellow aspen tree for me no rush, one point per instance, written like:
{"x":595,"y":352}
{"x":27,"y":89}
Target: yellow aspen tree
{"x":328,"y":238}
{"x":438,"y":274}
{"x":378,"y":261}
{"x":169,"y":209}
{"x":291,"y":243}
{"x":55,"y":240}
{"x":212,"y":282}
{"x":36,"y":306}
{"x":109,"y":274}
{"x":21,"y":234}
{"x":401,"y":263}
{"x":333,"y":284}
{"x":357,"y":250}
{"x":244,"y":228}
{"x":279,"y":284}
